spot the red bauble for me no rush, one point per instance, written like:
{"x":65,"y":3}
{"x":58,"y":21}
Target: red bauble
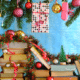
{"x":18,"y":12}
{"x":49,"y":78}
{"x":76,"y":3}
{"x":11,"y":33}
{"x":38,"y":65}
{"x":28,"y":5}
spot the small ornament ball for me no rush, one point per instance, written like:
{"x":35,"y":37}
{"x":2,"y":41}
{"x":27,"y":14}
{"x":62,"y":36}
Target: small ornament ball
{"x":18,"y":12}
{"x":76,"y":3}
{"x":68,"y":60}
{"x":38,"y":65}
{"x":5,"y":51}
{"x":28,"y":5}
{"x":49,"y":78}
{"x":56,"y":8}
{"x":55,"y":61}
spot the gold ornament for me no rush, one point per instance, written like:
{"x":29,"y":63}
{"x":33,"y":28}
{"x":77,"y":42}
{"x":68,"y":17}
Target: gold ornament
{"x":56,"y":8}
{"x":0,"y":14}
{"x":20,"y":33}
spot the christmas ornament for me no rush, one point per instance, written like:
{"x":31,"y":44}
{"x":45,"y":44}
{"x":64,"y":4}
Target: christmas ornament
{"x":49,"y":78}
{"x":76,"y":3}
{"x":18,"y":65}
{"x":68,"y":60}
{"x":64,"y":13}
{"x":38,"y":65}
{"x":28,"y":5}
{"x":55,"y":61}
{"x":5,"y":51}
{"x":11,"y":33}
{"x":0,"y":15}
{"x":19,"y":32}
{"x":8,"y":65}
{"x":56,"y":8}
{"x":18,"y":12}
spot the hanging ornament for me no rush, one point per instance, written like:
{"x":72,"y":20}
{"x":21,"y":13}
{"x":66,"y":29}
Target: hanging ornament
{"x":28,"y":5}
{"x":68,"y":60}
{"x":0,"y":14}
{"x":20,"y":33}
{"x":76,"y":3}
{"x":18,"y":12}
{"x":49,"y":78}
{"x":56,"y":8}
{"x":38,"y":65}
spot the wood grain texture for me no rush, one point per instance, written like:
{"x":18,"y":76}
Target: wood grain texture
{"x":41,"y":73}
{"x":61,"y":73}
{"x":36,"y":53}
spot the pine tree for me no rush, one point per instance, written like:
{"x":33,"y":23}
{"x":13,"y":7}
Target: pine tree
{"x":62,"y":57}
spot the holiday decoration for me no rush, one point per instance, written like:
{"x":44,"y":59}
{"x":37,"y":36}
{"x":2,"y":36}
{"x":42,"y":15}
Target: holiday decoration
{"x":10,"y":33}
{"x":20,"y":33}
{"x":8,"y":65}
{"x":0,"y":14}
{"x":40,"y":17}
{"x":50,"y":78}
{"x":55,"y":61}
{"x":18,"y":12}
{"x":64,"y":13}
{"x":56,"y":8}
{"x":62,"y":57}
{"x":5,"y":51}
{"x":68,"y":60}
{"x":38,"y":65}
{"x":76,"y":3}
{"x":28,"y":5}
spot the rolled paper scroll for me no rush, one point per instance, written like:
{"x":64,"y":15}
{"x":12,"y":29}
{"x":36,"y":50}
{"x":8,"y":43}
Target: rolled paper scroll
{"x":64,"y":13}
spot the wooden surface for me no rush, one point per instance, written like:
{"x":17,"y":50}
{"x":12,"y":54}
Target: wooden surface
{"x":77,"y":66}
{"x":61,"y":73}
{"x":36,"y":53}
{"x":11,"y":78}
{"x":9,"y":75}
{"x":15,"y":57}
{"x":41,"y":73}
{"x":60,"y":78}
{"x":11,"y":70}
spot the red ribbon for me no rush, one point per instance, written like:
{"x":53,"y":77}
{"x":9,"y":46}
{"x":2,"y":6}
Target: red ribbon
{"x":70,"y":12}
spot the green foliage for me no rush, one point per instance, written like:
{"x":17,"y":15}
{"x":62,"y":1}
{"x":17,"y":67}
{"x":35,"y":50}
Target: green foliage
{"x":62,"y":57}
{"x":71,"y":19}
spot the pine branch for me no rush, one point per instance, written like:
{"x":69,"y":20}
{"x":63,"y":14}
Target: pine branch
{"x":8,"y":20}
{"x":71,"y":19}
{"x":19,"y":22}
{"x":71,"y":6}
{"x":46,"y":1}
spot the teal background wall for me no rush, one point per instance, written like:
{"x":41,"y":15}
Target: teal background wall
{"x":58,"y":34}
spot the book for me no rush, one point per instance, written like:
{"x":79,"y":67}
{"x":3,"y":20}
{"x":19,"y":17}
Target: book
{"x":77,"y":65}
{"x":11,"y":70}
{"x":61,"y":73}
{"x":11,"y":78}
{"x":6,"y":61}
{"x":60,"y":78}
{"x":17,"y":50}
{"x":10,"y":75}
{"x":41,"y":73}
{"x":36,"y":53}
{"x":15,"y":56}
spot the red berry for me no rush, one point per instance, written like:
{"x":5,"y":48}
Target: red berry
{"x":49,"y":78}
